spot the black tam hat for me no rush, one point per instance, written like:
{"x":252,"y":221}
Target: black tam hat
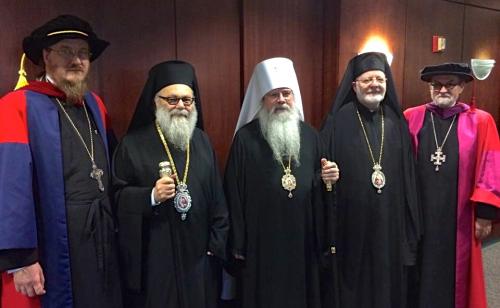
{"x":162,"y":75}
{"x":369,"y":61}
{"x":461,"y":70}
{"x":60,"y":28}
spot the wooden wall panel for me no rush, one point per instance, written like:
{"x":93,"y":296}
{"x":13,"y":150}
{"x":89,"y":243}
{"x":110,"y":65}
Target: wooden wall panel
{"x":280,"y":28}
{"x":208,"y":36}
{"x":362,"y":19}
{"x":140,"y":36}
{"x":492,"y":4}
{"x":482,"y":40}
{"x":425,"y":19}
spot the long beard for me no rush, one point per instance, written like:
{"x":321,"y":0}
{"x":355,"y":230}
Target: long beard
{"x":177,"y":125}
{"x":74,"y":90}
{"x":282,"y":132}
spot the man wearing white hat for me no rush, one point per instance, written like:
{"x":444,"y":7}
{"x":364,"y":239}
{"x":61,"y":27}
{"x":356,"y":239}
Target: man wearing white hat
{"x":274,"y":194}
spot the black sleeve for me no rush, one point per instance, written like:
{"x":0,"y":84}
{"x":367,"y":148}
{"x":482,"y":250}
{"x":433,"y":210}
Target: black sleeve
{"x":487,"y":211}
{"x":219,"y":226}
{"x":132,"y":206}
{"x":16,"y":258}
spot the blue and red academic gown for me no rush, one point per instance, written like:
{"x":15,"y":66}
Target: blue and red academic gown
{"x":478,"y":181}
{"x":32,"y":200}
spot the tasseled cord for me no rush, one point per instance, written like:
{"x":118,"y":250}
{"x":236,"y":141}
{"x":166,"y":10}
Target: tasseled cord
{"x":22,"y":81}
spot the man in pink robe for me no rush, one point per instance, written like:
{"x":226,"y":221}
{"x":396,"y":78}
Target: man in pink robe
{"x":458,"y":157}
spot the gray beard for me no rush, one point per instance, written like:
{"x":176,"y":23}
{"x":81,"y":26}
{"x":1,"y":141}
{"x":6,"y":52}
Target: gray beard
{"x":282,"y":133}
{"x":177,"y":125}
{"x":74,"y":91}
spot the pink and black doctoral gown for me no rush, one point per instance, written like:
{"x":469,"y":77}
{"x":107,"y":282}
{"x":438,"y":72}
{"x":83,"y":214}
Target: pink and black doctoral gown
{"x":450,"y":257}
{"x":51,"y":211}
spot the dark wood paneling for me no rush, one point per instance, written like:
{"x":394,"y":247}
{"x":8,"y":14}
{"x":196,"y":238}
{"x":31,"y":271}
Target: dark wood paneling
{"x":292,"y":30}
{"x":208,"y":36}
{"x":482,"y":40}
{"x":425,"y":19}
{"x":331,"y":24}
{"x":361,"y":19}
{"x":140,"y":36}
{"x":492,"y":4}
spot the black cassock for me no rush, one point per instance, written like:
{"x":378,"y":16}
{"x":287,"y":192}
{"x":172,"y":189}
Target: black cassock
{"x":279,"y":236}
{"x":371,"y":232}
{"x":164,"y":259}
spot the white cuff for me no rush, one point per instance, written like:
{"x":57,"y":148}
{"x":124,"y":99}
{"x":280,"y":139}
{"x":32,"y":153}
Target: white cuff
{"x":153,"y":201}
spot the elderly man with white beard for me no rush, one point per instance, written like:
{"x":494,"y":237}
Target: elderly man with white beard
{"x":378,"y":224}
{"x":274,"y":194}
{"x":173,"y":228}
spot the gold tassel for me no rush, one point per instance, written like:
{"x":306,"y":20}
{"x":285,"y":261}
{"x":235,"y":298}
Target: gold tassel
{"x":22,"y":81}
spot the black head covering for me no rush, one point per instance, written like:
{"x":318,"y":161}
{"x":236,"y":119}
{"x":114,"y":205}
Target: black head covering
{"x":60,"y":28}
{"x":461,"y":70}
{"x":160,"y":76}
{"x":358,"y":65}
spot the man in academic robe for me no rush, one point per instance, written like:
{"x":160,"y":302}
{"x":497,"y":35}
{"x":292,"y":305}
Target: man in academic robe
{"x":57,"y":231}
{"x":274,"y":192}
{"x":378,"y":223}
{"x":458,"y":152}
{"x":173,"y":225}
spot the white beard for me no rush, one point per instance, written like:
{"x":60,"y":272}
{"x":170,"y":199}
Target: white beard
{"x":370,"y":100}
{"x":282,"y":132}
{"x":444,"y":101}
{"x":177,"y":125}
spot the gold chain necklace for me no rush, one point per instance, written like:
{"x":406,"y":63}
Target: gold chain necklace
{"x":288,"y":179}
{"x":96,"y":173}
{"x":378,"y":177}
{"x":182,"y":200}
{"x":438,"y":158}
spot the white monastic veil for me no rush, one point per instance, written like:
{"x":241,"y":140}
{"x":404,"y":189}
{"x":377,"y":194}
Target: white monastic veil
{"x":268,"y":75}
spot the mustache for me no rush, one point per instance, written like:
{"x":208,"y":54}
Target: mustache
{"x":280,"y":108}
{"x":377,"y":90}
{"x":176,"y":112}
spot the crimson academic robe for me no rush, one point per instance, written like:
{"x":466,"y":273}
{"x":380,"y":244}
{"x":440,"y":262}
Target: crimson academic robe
{"x":42,"y":220}
{"x":478,"y":165}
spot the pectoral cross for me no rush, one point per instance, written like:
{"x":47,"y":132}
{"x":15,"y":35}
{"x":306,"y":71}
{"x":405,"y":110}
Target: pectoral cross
{"x":97,"y":174}
{"x":438,"y":158}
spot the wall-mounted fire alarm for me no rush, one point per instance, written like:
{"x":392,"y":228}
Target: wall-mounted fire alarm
{"x":438,"y":43}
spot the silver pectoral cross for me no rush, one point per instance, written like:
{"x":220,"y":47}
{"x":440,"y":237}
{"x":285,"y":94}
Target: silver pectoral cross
{"x":97,"y":174}
{"x":438,"y":158}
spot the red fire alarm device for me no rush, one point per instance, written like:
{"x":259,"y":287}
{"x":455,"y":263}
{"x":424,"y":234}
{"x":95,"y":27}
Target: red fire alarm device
{"x":438,"y":43}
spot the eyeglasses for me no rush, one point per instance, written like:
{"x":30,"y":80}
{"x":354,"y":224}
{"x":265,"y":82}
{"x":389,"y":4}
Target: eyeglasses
{"x":69,"y":54}
{"x":275,"y":95}
{"x":437,"y":86}
{"x":174,"y":100}
{"x":368,"y":81}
